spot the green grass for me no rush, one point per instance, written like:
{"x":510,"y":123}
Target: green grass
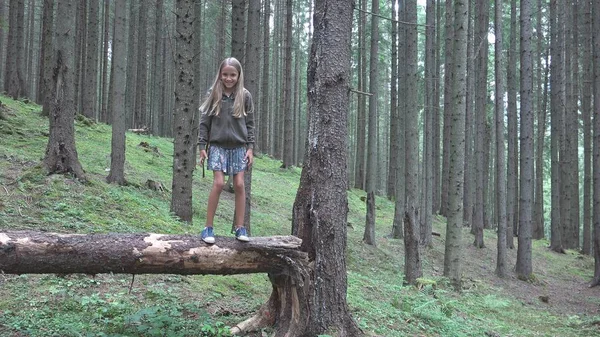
{"x":173,"y":305}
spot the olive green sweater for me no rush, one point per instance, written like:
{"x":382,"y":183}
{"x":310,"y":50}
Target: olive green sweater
{"x":225,"y":130}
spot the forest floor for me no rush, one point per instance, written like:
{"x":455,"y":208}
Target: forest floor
{"x":557,"y":302}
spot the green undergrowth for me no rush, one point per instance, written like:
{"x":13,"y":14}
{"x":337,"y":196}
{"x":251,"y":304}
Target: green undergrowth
{"x":173,"y":305}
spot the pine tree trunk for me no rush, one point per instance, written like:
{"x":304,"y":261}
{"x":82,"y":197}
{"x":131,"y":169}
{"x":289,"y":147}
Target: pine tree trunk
{"x":3,"y":11}
{"x":453,"y":249}
{"x":538,"y":210}
{"x":141,"y":118}
{"x":130,"y":89}
{"x":117,"y":108}
{"x":500,"y":149}
{"x":45,"y":68}
{"x":321,"y":205}
{"x":29,"y":70}
{"x":105,"y":58}
{"x":288,"y":123}
{"x":61,"y":154}
{"x":555,"y":106}
{"x":512,"y":207}
{"x":430,"y":65}
{"x":263,"y":120}
{"x":238,"y":28}
{"x":361,"y":114}
{"x":481,"y":57}
{"x":156,"y":98}
{"x":596,"y":160}
{"x":586,"y":114}
{"x":184,"y":159}
{"x":412,"y":260}
{"x":371,"y":172}
{"x":524,"y":268}
{"x":14,"y":83}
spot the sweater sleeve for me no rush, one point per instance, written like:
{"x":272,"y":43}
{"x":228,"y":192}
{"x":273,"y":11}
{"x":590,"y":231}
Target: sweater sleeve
{"x":204,"y":130}
{"x":249,"y":120}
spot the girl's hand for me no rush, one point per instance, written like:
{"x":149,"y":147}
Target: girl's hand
{"x":203,"y":156}
{"x":249,"y":158}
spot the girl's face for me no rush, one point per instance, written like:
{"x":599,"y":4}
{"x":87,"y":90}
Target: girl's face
{"x":229,"y":78}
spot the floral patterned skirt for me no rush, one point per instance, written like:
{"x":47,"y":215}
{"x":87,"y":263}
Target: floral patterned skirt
{"x":229,"y":161}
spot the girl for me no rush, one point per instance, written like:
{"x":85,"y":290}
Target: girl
{"x":227,"y":124}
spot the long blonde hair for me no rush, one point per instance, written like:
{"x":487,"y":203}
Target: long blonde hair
{"x":212,"y":104}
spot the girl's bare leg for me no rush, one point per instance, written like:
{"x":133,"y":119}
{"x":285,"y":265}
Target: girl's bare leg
{"x":240,"y":199}
{"x":213,"y":197}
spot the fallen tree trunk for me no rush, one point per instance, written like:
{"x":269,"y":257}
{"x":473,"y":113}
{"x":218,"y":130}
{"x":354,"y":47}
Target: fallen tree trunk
{"x":26,"y":252}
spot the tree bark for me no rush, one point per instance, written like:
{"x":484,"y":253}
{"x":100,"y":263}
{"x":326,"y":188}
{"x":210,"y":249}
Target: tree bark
{"x":596,"y":160}
{"x":412,"y":204}
{"x":61,"y":154}
{"x":288,"y":120}
{"x":45,"y":68}
{"x":556,"y":105}
{"x":453,"y":248}
{"x":371,"y":172}
{"x":184,"y":159}
{"x":89,"y":89}
{"x":586,"y":113}
{"x":524,"y":267}
{"x":500,"y":149}
{"x":512,"y":174}
{"x":321,"y":206}
{"x":117,"y":109}
{"x":26,"y":252}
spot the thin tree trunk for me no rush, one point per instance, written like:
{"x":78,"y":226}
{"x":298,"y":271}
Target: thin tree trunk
{"x":453,"y":248}
{"x":500,"y":150}
{"x":524,"y":267}
{"x":430,"y":65}
{"x":596,"y":160}
{"x":556,"y":105}
{"x":586,"y":114}
{"x":45,"y":81}
{"x":288,"y":125}
{"x":117,"y":109}
{"x":412,"y":259}
{"x":512,"y":207}
{"x":394,"y":147}
{"x":371,"y":172}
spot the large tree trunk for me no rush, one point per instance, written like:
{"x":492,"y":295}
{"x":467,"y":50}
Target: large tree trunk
{"x":184,"y":159}
{"x":61,"y":154}
{"x":321,"y":206}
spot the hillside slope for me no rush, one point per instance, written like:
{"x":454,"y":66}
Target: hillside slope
{"x":558,"y":303}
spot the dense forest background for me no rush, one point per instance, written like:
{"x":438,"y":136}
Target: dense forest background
{"x":480,"y":111}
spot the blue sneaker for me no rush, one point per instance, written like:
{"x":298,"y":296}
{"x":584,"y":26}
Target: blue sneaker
{"x":207,"y":235}
{"x":241,"y":234}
